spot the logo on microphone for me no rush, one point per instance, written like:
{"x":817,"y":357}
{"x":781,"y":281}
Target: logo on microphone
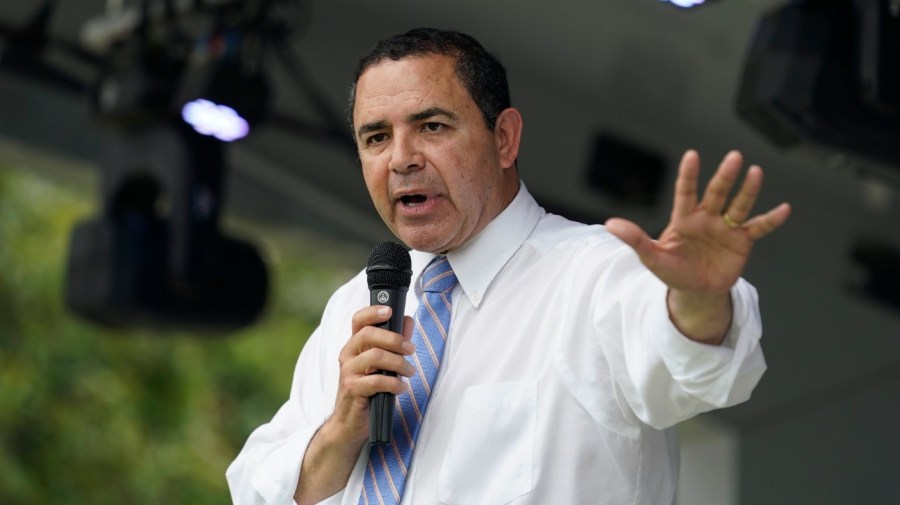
{"x":383,"y":296}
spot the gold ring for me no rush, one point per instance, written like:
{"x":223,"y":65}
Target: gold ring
{"x":731,"y":223}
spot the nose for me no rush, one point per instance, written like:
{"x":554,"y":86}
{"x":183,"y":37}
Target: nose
{"x":406,"y":155}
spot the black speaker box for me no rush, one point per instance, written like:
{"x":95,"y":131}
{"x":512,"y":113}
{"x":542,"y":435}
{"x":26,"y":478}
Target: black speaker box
{"x":816,"y":72}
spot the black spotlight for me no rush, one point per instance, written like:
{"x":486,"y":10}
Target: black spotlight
{"x":825,"y":72}
{"x":155,"y":257}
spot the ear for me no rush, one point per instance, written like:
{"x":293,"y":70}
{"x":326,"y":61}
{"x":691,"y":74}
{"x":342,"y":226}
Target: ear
{"x":507,"y":134}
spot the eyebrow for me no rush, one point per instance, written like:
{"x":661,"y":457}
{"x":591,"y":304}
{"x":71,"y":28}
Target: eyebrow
{"x":370,"y":127}
{"x":412,"y":118}
{"x":430,"y":113}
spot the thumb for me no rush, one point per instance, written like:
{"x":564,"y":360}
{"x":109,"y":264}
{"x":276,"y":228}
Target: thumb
{"x":631,"y":234}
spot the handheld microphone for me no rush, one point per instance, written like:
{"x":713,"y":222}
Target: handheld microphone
{"x":388,"y":274}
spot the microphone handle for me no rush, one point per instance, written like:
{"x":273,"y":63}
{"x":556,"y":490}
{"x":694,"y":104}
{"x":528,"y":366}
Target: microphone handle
{"x":381,"y":405}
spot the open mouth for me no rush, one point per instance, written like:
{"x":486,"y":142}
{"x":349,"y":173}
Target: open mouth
{"x":412,"y":200}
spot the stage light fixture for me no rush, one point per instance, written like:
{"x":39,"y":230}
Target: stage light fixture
{"x":819,"y":73}
{"x":155,"y":256}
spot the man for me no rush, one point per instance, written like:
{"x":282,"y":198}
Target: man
{"x":569,"y":357}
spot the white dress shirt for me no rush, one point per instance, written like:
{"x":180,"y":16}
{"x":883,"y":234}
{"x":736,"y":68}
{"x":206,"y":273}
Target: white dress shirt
{"x":561,"y":380}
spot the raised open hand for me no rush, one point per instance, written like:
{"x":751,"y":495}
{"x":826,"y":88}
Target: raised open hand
{"x":704,"y":249}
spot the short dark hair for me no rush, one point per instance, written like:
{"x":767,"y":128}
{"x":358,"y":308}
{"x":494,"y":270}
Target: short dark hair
{"x":479,"y":71}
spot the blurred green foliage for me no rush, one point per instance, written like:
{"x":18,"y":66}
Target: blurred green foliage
{"x":89,"y":415}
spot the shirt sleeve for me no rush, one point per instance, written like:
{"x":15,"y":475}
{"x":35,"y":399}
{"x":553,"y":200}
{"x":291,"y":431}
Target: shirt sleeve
{"x":267,"y":469}
{"x":661,"y":376}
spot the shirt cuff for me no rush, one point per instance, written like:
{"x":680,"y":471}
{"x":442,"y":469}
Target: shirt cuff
{"x":276,"y":479}
{"x":718,"y":375}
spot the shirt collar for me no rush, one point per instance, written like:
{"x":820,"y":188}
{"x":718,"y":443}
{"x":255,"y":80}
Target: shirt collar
{"x":479,"y":260}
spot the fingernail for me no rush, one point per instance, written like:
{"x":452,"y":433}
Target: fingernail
{"x":410,"y":370}
{"x":383,"y":311}
{"x":408,"y":346}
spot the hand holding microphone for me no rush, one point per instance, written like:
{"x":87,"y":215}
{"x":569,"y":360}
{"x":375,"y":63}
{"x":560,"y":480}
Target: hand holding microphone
{"x":388,"y":274}
{"x":372,"y":367}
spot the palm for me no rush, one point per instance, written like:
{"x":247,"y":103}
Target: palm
{"x":700,"y":253}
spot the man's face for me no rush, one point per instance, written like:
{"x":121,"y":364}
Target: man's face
{"x":433,"y":169}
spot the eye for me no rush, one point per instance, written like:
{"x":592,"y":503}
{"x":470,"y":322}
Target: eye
{"x":376,"y":138}
{"x":432,"y":127}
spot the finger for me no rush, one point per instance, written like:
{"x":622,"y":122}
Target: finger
{"x":377,"y":360}
{"x":370,"y":316}
{"x":722,"y":181}
{"x":361,"y":387}
{"x":635,"y":237}
{"x":367,"y":336}
{"x":371,"y":337}
{"x":408,"y":325}
{"x":381,"y":383}
{"x":764,"y":224}
{"x":743,"y":201}
{"x":685,"y":200}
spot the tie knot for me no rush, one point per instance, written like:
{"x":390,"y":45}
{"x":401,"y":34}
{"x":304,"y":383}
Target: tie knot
{"x":438,"y":276}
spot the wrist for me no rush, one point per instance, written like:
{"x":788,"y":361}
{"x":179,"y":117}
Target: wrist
{"x":327,"y":464}
{"x":700,"y":316}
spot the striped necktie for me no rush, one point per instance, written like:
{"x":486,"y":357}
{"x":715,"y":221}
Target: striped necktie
{"x":388,"y":464}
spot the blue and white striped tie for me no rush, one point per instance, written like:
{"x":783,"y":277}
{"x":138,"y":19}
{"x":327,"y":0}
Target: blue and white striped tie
{"x":388,"y":464}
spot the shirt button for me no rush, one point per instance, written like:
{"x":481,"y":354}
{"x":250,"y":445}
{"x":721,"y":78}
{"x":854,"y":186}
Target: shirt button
{"x":476,"y":296}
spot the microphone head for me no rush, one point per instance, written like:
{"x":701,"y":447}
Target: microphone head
{"x":389,"y":265}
